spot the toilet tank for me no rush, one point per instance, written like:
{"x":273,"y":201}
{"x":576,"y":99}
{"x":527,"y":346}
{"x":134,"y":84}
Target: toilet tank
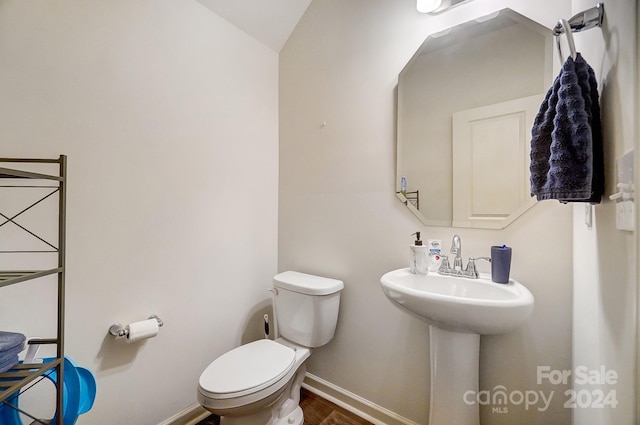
{"x":306,"y":307}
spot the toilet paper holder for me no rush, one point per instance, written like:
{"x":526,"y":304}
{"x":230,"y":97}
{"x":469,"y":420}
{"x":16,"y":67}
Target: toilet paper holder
{"x":118,"y":330}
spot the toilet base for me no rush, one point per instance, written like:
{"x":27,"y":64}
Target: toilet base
{"x":285,"y":411}
{"x":294,"y":418}
{"x":260,"y":417}
{"x":265,"y":417}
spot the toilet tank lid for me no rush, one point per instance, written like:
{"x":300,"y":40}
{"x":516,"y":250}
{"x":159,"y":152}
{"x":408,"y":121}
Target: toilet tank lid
{"x":307,"y":283}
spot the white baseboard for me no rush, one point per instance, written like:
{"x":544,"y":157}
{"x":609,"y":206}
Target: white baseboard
{"x":355,"y":404}
{"x":189,"y":416}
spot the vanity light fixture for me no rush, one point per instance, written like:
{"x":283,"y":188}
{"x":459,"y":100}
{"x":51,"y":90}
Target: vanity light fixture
{"x":435,"y":6}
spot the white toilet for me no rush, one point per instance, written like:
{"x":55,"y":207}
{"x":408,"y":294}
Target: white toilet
{"x":259,"y":383}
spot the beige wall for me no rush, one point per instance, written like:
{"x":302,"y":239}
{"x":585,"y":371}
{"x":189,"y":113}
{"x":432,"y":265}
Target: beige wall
{"x":339,"y":215}
{"x":605,"y":287}
{"x":169,"y":117}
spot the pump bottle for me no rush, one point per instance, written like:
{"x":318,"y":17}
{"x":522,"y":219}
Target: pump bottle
{"x":419,"y":260}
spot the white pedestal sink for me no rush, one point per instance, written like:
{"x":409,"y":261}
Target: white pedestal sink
{"x":458,"y":310}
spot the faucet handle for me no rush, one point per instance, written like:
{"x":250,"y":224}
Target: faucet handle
{"x":444,"y":264}
{"x":480,"y":258}
{"x":471,"y":270}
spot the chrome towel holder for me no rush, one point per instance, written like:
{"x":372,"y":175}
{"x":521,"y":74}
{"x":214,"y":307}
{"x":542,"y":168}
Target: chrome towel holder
{"x":582,"y":21}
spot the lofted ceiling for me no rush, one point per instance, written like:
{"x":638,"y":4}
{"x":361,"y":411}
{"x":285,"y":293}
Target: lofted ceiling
{"x":269,"y":21}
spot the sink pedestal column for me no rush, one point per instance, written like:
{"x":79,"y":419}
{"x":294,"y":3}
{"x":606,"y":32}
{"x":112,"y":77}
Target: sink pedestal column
{"x":454,"y":372}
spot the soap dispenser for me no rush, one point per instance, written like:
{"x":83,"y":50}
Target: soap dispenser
{"x":419,"y":263}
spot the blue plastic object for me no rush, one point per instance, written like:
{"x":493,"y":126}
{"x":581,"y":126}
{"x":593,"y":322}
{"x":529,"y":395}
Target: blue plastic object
{"x":79,"y":393}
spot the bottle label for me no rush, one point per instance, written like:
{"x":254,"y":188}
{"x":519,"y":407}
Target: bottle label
{"x":435,"y":249}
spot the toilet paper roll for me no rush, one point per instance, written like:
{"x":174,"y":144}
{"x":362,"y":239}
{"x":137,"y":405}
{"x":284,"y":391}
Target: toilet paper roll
{"x":142,"y":330}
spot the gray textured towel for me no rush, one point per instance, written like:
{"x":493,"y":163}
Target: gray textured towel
{"x":9,"y":357}
{"x":9,"y":340}
{"x":11,"y":344}
{"x":8,"y":363}
{"x":11,"y":352}
{"x":567,"y":161}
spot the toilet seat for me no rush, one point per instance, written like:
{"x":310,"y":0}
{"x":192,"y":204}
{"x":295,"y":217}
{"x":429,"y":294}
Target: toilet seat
{"x":247,"y":369}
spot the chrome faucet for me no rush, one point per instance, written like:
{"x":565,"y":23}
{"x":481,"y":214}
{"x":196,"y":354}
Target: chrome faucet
{"x":456,"y":250}
{"x":469,"y":271}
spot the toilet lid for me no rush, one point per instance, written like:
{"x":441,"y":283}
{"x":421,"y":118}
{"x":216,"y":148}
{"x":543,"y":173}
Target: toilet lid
{"x":307,"y":283}
{"x":252,"y":365}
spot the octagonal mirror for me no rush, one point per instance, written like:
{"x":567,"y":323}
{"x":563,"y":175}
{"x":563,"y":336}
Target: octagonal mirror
{"x":466,"y":104}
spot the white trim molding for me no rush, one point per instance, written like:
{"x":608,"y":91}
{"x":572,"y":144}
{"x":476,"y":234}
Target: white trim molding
{"x":189,"y":416}
{"x":355,"y":404}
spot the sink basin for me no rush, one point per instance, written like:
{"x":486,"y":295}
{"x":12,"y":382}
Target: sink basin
{"x":460,"y":304}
